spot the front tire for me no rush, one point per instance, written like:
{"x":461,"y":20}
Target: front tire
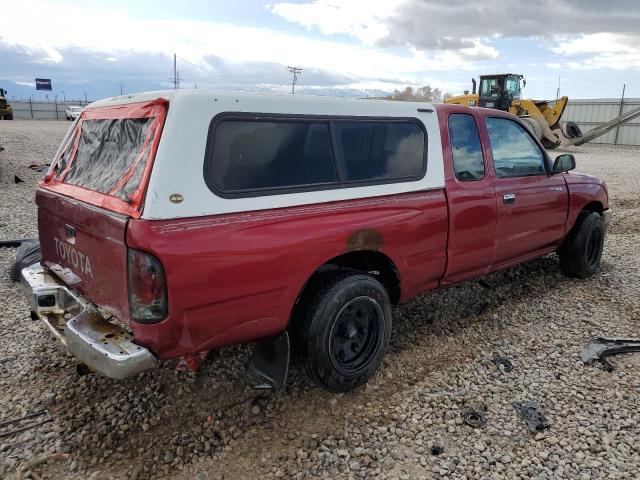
{"x":342,"y":330}
{"x":580,"y":255}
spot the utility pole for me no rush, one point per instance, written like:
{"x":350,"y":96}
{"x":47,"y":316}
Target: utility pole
{"x":558,"y":91}
{"x":85,"y":97}
{"x":176,"y":78}
{"x":121,"y":89}
{"x":294,"y":71}
{"x":64,"y":98}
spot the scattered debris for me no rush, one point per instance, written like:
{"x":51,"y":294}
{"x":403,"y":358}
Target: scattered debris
{"x":1,"y":149}
{"x":17,"y":179}
{"x":437,"y":450}
{"x":599,"y":348}
{"x":16,"y":242}
{"x":191,"y":363}
{"x":532,"y":416}
{"x":474,"y":418}
{"x":507,"y":365}
{"x":7,"y":360}
{"x":19,"y":422}
{"x":483,"y":307}
{"x":39,"y":167}
{"x":483,"y":283}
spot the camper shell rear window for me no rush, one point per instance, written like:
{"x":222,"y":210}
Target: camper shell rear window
{"x":107,"y":158}
{"x":251,"y":154}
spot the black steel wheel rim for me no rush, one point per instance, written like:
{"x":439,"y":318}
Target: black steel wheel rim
{"x":593,"y":247}
{"x":356,"y":334}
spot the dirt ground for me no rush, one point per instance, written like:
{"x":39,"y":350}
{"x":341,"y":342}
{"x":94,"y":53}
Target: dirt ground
{"x":405,"y":423}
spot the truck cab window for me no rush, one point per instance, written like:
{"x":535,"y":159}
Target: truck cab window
{"x":514,"y":152}
{"x":466,"y":150}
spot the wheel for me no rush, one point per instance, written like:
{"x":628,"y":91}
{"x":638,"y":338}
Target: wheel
{"x":9,"y":117}
{"x":581,"y":252}
{"x":28,"y":253}
{"x":533,"y":125}
{"x":342,"y":330}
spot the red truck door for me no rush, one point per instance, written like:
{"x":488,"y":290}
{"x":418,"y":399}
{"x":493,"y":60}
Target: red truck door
{"x":470,"y":196}
{"x":532,"y":203}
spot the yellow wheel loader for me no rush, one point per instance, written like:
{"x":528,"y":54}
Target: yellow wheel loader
{"x":504,"y":92}
{"x":6,"y":113}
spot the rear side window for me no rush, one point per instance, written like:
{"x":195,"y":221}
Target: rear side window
{"x":256,"y":155}
{"x":379,"y":150}
{"x":468,"y":162}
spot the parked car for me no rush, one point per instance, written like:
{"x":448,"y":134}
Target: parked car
{"x":178,"y":222}
{"x":72,"y":112}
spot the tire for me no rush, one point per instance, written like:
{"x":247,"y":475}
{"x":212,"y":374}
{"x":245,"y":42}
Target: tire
{"x":533,"y":125}
{"x":580,"y":255}
{"x":571,"y":130}
{"x":9,"y":117}
{"x":28,"y":253}
{"x":342,"y":330}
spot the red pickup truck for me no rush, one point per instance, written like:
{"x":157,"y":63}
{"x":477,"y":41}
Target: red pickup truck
{"x":173,"y":223}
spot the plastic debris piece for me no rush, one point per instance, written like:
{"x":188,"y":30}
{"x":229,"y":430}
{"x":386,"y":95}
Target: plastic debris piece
{"x":531,"y":414}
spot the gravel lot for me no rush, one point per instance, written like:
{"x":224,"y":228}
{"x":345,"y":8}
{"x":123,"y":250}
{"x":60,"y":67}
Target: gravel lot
{"x":211,"y":425}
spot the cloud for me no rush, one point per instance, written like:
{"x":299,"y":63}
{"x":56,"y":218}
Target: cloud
{"x":599,"y":50}
{"x":108,"y":42}
{"x":465,"y":29}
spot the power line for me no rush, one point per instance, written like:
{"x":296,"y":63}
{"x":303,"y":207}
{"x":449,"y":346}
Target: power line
{"x":294,"y":71}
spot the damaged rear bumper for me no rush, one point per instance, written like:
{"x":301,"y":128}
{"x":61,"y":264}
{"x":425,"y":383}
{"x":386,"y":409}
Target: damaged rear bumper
{"x":104,"y":347}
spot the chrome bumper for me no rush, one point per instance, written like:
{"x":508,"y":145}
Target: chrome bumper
{"x":607,"y":216}
{"x":104,"y":347}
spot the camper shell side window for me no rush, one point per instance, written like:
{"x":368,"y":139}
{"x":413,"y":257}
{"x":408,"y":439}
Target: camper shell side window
{"x":249,"y":155}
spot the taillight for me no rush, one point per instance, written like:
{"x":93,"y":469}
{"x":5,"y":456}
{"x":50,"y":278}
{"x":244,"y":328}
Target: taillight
{"x":147,"y":287}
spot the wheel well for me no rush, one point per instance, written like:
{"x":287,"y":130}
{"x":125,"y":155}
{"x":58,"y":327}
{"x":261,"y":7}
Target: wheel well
{"x":593,"y":207}
{"x":370,"y":262}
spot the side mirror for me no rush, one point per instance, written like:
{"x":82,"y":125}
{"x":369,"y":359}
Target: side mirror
{"x":564,"y":163}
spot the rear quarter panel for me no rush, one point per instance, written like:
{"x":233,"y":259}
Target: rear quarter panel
{"x":236,"y":277}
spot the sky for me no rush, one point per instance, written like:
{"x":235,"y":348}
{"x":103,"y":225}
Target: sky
{"x":586,"y":48}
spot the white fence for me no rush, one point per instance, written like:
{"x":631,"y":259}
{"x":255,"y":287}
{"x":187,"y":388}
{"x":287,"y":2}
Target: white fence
{"x":589,"y":114}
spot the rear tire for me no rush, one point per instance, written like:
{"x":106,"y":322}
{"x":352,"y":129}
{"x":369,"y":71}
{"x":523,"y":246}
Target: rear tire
{"x":342,"y":330}
{"x":9,"y":117}
{"x":580,"y":255}
{"x":28,"y":253}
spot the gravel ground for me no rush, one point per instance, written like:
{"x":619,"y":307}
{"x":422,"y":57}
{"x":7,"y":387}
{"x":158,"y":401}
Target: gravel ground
{"x":405,"y":423}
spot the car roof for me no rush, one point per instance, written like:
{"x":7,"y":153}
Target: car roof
{"x":285,"y":98}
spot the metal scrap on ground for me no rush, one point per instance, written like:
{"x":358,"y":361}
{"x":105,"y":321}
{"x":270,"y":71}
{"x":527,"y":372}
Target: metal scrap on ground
{"x":599,"y":348}
{"x":19,"y":425}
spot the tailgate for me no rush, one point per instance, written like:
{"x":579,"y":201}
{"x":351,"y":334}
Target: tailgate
{"x":85,"y":246}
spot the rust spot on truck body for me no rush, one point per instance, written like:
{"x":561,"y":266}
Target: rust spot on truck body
{"x":365,"y":239}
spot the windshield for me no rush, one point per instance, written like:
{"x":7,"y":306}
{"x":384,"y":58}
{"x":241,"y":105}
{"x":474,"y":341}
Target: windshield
{"x":512,"y":87}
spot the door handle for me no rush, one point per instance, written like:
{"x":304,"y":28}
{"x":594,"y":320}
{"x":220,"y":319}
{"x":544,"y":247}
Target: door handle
{"x":509,"y":198}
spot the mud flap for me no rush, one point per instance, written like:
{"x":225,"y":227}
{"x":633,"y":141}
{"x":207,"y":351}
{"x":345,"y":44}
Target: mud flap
{"x":270,"y":362}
